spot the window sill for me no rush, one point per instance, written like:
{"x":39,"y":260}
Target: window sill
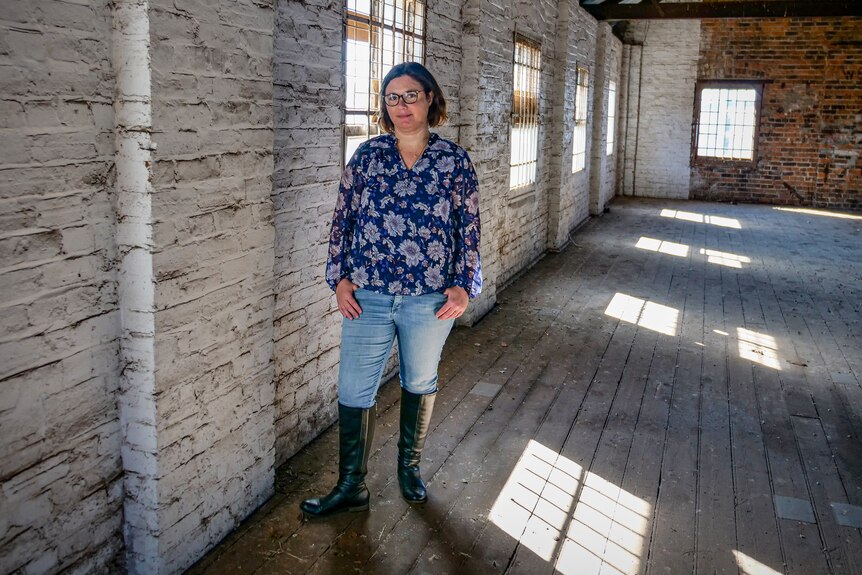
{"x":710,"y":161}
{"x":521,"y":195}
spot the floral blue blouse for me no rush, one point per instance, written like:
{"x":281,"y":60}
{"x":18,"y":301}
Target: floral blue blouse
{"x":407,"y":232}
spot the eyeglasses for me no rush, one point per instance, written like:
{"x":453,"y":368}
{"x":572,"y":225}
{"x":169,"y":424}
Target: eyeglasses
{"x":409,"y":98}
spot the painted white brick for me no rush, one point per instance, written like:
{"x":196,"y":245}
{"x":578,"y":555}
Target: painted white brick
{"x":215,"y":294}
{"x":244,"y":339}
{"x":654,"y":139}
{"x":57,"y":318}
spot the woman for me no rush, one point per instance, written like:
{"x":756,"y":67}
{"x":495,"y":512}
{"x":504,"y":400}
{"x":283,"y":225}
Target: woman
{"x":404,"y":262}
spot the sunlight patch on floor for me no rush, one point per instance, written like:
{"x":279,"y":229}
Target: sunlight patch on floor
{"x":534,"y":504}
{"x":725,"y":258}
{"x":546,"y":492}
{"x":650,"y":315}
{"x":608,"y":531}
{"x":665,"y":247}
{"x":812,"y":212}
{"x":750,"y":566}
{"x":701,"y":218}
{"x":758,"y":347}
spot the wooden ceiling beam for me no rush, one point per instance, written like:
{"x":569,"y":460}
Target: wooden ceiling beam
{"x":654,"y":10}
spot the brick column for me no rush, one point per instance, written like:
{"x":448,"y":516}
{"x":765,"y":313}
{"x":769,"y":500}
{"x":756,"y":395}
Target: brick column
{"x":213,"y":260}
{"x":486,"y":104}
{"x":195,"y":240}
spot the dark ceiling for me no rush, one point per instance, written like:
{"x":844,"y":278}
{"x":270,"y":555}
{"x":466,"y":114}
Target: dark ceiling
{"x":657,"y":9}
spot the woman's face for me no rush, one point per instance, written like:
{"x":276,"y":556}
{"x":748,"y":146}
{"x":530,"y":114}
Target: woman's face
{"x":408,"y":118}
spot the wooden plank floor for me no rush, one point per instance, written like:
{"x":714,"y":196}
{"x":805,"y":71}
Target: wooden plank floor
{"x":676,"y":392}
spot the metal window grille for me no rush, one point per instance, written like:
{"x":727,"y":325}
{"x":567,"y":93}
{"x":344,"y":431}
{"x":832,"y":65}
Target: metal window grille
{"x":378,"y":35}
{"x":612,"y":116}
{"x":525,"y":113}
{"x":579,"y":134}
{"x":727,"y":123}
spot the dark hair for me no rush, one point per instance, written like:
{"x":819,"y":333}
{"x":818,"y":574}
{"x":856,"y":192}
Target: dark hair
{"x":437,"y":111}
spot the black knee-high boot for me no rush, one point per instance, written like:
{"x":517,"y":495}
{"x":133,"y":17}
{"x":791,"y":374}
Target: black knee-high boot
{"x":415,"y":421}
{"x":355,"y":434}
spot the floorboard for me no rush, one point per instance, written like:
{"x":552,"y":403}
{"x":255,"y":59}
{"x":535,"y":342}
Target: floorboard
{"x":679,"y":391}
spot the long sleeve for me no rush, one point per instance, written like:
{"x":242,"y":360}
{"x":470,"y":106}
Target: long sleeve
{"x":343,"y":223}
{"x":468,"y":267}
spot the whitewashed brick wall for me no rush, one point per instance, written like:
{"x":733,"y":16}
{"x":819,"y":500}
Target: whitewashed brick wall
{"x":602,"y":165}
{"x":523,"y":216}
{"x":657,"y":139}
{"x":240,"y":169}
{"x":444,"y":58}
{"x":569,"y":192}
{"x":611,"y":48}
{"x":60,"y":471}
{"x":487,"y":51}
{"x":308,"y":98}
{"x":213,"y":263}
{"x":628,"y":95}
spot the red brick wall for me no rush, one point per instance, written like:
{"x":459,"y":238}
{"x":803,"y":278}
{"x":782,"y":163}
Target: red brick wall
{"x":811,"y":116}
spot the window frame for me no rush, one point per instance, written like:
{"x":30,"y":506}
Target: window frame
{"x":529,"y":44}
{"x":611,"y":136}
{"x":700,"y":85}
{"x":376,"y":26}
{"x":581,"y":99}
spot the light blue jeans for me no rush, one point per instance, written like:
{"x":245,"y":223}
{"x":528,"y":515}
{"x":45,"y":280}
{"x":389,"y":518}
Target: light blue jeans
{"x":367,"y":341}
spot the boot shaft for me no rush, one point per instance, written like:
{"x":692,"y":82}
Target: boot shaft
{"x":416,"y":413}
{"x":355,"y":437}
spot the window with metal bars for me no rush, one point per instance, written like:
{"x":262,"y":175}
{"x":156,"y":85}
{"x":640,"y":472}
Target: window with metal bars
{"x":612,"y":116}
{"x":579,"y":134}
{"x":726,"y":126}
{"x":525,"y":113}
{"x":378,"y":35}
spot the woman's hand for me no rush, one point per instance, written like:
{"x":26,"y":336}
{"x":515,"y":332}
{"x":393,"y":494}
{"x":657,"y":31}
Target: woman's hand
{"x":455,"y":305}
{"x":347,"y":304}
